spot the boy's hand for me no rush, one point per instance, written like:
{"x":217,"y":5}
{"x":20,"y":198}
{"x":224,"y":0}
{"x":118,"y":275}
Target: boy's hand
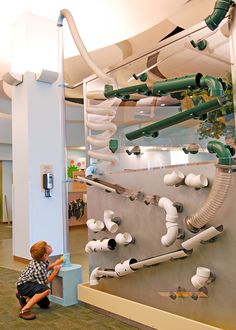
{"x":57,"y":268}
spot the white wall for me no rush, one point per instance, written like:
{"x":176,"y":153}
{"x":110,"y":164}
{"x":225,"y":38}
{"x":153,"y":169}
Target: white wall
{"x":7,"y":190}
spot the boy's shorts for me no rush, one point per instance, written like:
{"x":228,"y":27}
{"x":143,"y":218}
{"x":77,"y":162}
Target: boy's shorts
{"x":29,"y":289}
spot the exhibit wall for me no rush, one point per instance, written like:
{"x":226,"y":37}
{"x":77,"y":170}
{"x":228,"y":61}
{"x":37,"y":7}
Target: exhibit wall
{"x":146,"y":223}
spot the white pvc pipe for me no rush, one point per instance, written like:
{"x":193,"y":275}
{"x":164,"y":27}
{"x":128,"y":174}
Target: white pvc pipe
{"x":171,"y":225}
{"x":196,"y":181}
{"x":94,"y":183}
{"x":97,"y":273}
{"x":111,"y":226}
{"x":123,"y":239}
{"x":173,"y":178}
{"x":159,"y":259}
{"x":94,"y":225}
{"x":201,"y":277}
{"x":205,"y":235}
{"x":108,"y":244}
{"x":124,"y":268}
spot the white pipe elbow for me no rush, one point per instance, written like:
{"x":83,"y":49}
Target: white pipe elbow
{"x":196,"y":181}
{"x":173,"y":178}
{"x":111,"y":226}
{"x":171,"y":217}
{"x":201,"y":277}
{"x":124,"y":268}
{"x":124,"y":239}
{"x":167,"y":205}
{"x":108,"y":244}
{"x":94,"y":225}
{"x":94,"y":277}
{"x":172,"y":233}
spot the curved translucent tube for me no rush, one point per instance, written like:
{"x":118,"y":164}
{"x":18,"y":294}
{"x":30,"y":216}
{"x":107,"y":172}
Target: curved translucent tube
{"x":171,"y":224}
{"x":65,"y":13}
{"x":214,"y":201}
{"x":99,"y":119}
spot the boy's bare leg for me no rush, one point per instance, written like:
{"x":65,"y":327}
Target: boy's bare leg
{"x":37,"y":297}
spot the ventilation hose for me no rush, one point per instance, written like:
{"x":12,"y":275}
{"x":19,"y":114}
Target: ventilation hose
{"x":65,"y":13}
{"x":219,"y":189}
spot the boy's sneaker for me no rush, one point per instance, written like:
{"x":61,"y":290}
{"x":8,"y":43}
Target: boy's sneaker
{"x":27,"y":315}
{"x":21,"y":299}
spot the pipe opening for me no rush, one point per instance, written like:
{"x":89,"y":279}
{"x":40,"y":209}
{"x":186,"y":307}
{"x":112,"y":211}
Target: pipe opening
{"x":111,"y":244}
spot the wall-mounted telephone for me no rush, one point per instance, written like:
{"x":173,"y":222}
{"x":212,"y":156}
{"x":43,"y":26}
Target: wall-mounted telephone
{"x":47,"y":183}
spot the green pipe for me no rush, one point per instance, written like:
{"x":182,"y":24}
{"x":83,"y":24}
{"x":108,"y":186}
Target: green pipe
{"x":193,"y":113}
{"x":163,"y":87}
{"x":178,"y":84}
{"x":213,"y":85}
{"x":221,"y":151}
{"x":220,"y":10}
{"x":124,"y":93}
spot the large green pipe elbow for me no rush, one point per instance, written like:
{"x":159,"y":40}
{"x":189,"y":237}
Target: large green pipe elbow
{"x":213,"y":85}
{"x":193,"y":113}
{"x":220,"y":10}
{"x":222,"y":152}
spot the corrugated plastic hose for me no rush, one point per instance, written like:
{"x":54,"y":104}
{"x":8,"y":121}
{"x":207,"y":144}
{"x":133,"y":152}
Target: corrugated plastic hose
{"x":214,"y":201}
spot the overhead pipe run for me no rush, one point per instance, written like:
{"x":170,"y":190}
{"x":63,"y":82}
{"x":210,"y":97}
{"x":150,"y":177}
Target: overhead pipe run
{"x":171,"y":225}
{"x":193,"y":113}
{"x":219,"y":190}
{"x":169,"y":86}
{"x":131,"y":265}
{"x":220,"y":11}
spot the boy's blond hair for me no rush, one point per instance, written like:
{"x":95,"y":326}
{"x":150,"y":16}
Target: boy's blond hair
{"x":38,"y":250}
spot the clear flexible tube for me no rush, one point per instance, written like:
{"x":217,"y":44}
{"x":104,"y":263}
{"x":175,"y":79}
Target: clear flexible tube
{"x":214,"y":201}
{"x":65,"y":13}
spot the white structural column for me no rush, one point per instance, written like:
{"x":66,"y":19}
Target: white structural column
{"x":233,"y":54}
{"x":38,"y":143}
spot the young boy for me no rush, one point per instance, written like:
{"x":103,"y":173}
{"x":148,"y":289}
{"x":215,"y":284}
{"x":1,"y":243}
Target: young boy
{"x":33,"y":281}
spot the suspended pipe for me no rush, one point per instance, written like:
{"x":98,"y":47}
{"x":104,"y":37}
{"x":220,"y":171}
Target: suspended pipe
{"x":193,"y":113}
{"x":219,"y":189}
{"x":131,"y":265}
{"x":220,"y":10}
{"x":168,"y":86}
{"x":171,"y":225}
{"x":65,"y":13}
